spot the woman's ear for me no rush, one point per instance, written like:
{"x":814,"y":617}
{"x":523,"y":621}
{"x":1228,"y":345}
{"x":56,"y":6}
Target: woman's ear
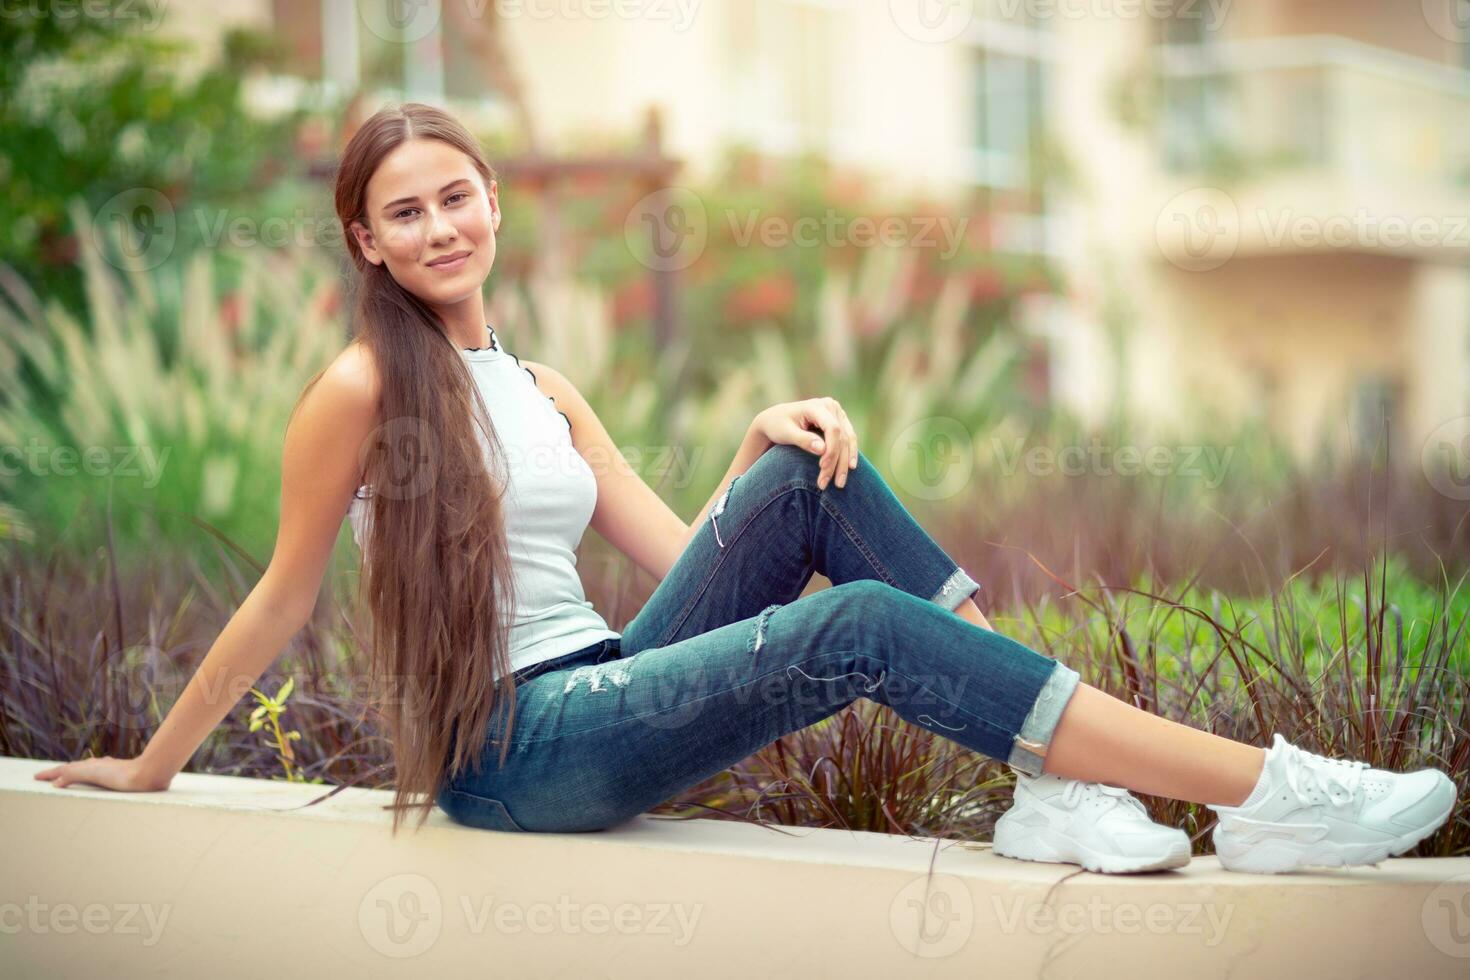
{"x":365,"y":241}
{"x":493,"y":193}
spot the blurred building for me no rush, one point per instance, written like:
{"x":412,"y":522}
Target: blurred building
{"x":1261,"y":207}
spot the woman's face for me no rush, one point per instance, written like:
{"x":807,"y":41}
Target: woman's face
{"x":432,"y":221}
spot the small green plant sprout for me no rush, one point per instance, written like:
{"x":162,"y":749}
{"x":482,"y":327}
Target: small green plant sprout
{"x":269,"y":712}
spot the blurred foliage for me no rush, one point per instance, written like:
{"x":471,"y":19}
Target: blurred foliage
{"x":751,"y":273}
{"x":97,"y":105}
{"x":149,"y":406}
{"x":1308,"y":618}
{"x":167,"y":402}
{"x":1368,"y":666}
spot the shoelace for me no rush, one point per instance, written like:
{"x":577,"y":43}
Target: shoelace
{"x":1307,"y":771}
{"x":1075,"y":789}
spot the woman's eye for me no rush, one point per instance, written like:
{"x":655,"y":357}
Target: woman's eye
{"x":456,"y":196}
{"x":404,"y":212}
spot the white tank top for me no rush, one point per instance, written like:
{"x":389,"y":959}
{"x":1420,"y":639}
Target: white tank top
{"x":552,"y":493}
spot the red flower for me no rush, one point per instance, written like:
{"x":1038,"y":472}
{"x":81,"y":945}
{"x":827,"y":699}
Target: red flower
{"x":772,"y":295}
{"x":633,"y":300}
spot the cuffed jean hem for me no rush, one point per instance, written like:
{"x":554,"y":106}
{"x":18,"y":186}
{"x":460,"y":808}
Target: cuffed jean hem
{"x":1043,"y":718}
{"x":955,"y":590}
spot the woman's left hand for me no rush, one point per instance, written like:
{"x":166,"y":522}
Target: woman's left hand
{"x":818,"y":425}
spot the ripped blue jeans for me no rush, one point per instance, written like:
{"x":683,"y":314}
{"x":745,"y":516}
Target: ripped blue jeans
{"x":725,"y":659}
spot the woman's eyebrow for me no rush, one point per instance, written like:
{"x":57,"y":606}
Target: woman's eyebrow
{"x":414,"y":198}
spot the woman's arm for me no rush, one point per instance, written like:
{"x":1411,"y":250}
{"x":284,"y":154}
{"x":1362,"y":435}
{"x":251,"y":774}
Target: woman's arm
{"x":629,"y":514}
{"x":751,"y":448}
{"x":319,"y":474}
{"x":320,"y":469}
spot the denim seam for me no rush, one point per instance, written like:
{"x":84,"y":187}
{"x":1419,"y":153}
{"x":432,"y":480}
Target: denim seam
{"x":808,"y":660}
{"x":857,"y":540}
{"x":505,"y":811}
{"x":722,"y":553}
{"x":851,"y":532}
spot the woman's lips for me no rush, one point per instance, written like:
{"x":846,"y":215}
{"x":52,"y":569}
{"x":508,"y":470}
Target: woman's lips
{"x":450,"y":263}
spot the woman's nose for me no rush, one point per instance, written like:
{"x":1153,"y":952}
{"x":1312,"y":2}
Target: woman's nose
{"x":441,"y":229}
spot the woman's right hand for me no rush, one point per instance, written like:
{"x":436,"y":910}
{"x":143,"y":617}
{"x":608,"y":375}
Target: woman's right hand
{"x":123,"y":775}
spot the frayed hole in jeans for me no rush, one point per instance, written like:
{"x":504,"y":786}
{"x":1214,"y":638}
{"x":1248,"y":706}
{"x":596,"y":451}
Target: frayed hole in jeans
{"x":616,"y":672}
{"x":758,"y":637}
{"x":719,"y":508}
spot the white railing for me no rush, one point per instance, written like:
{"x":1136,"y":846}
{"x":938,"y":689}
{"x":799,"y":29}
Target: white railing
{"x":1331,"y":104}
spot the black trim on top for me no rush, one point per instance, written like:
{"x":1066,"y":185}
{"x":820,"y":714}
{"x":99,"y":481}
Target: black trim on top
{"x":494,"y":341}
{"x":548,"y":397}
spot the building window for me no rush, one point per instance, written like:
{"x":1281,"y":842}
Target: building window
{"x":331,"y":42}
{"x":1374,"y":401}
{"x":1194,"y":105}
{"x":783,"y":71}
{"x":1008,"y":108}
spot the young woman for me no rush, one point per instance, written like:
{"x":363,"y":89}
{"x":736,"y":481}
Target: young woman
{"x":469,"y":477}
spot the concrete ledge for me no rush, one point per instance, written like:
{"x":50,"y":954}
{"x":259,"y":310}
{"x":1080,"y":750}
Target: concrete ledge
{"x":229,"y":877}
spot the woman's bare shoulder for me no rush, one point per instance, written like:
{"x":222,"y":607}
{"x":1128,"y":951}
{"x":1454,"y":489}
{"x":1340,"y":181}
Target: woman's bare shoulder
{"x":344,"y":397}
{"x":355,"y":369}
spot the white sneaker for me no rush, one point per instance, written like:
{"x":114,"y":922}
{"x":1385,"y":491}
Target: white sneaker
{"x":1310,"y":810}
{"x":1103,"y":828}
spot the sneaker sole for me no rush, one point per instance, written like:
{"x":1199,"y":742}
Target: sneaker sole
{"x":1050,"y":847}
{"x":1279,"y":857}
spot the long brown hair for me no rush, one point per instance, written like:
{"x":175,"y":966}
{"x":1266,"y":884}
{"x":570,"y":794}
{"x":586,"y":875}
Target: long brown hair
{"x":436,"y":573}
